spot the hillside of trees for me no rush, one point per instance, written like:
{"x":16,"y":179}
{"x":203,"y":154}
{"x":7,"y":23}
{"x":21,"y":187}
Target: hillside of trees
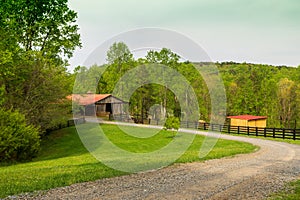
{"x":272,"y":91}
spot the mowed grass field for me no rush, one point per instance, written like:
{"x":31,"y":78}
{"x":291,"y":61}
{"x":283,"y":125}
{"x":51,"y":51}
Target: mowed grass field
{"x":63,"y":160}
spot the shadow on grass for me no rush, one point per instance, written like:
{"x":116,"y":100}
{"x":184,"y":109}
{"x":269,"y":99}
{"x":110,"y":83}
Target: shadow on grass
{"x":58,"y":144}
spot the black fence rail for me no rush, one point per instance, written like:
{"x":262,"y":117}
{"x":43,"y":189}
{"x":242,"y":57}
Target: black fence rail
{"x":281,"y":133}
{"x":75,"y":121}
{"x":64,"y":124}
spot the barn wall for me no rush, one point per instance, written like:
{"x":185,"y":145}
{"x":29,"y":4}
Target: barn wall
{"x":117,"y":109}
{"x":261,"y":123}
{"x":252,"y":123}
{"x":238,"y":122}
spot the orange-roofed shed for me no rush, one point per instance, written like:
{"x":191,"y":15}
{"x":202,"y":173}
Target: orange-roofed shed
{"x":248,"y":120}
{"x":98,"y":104}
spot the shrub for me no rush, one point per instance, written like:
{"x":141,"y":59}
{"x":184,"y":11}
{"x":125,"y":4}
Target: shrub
{"x":18,"y":141}
{"x":172,"y":123}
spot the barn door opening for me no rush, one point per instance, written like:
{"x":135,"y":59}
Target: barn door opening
{"x":108,"y":108}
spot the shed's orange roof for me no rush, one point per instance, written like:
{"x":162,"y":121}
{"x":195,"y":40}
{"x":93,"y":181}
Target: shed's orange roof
{"x":87,"y":99}
{"x":247,"y":117}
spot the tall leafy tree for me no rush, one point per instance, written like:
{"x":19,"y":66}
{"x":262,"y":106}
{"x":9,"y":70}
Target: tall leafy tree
{"x":119,"y":54}
{"x":47,"y":26}
{"x":168,"y":58}
{"x":36,"y":38}
{"x":287,"y":101}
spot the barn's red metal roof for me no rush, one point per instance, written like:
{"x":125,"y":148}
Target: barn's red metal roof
{"x":87,"y":99}
{"x":247,"y":117}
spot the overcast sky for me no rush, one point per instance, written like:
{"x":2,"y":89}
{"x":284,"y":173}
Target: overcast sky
{"x":256,"y":31}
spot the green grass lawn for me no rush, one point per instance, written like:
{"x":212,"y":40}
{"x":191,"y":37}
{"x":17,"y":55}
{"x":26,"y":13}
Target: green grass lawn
{"x":63,"y":160}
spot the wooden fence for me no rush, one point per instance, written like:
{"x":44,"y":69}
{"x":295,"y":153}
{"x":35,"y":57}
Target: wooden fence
{"x":75,"y":121}
{"x":70,"y":122}
{"x":281,"y":133}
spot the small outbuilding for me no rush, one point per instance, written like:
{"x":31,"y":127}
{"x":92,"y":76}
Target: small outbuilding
{"x":101,"y":105}
{"x":248,"y":120}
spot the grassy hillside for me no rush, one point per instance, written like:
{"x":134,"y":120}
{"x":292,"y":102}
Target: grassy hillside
{"x":63,"y":159}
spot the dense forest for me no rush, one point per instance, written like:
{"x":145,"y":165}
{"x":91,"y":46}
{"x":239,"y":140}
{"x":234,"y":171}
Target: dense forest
{"x":272,"y":91}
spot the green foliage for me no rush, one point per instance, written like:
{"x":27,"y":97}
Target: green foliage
{"x":35,"y":39}
{"x":88,"y":79}
{"x":18,"y":141}
{"x":250,"y":88}
{"x":63,"y":160}
{"x":37,"y":88}
{"x":287,"y":101}
{"x":119,"y":53}
{"x":44,"y":26}
{"x":164,"y":56}
{"x":172,"y":123}
{"x":263,"y":90}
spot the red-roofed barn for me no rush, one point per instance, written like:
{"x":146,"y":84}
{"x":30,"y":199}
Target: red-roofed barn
{"x":248,"y":120}
{"x":99,"y":104}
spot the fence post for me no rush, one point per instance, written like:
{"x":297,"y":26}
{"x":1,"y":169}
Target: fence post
{"x":273,"y":132}
{"x":228,"y":128}
{"x":196,"y":125}
{"x":248,"y":130}
{"x":294,"y":134}
{"x":220,"y":127}
{"x":283,"y":133}
{"x":265,"y":132}
{"x":204,"y":126}
{"x":256,"y":131}
{"x":238,"y":130}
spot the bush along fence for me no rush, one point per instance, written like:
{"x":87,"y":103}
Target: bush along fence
{"x":75,"y":121}
{"x":68,"y":123}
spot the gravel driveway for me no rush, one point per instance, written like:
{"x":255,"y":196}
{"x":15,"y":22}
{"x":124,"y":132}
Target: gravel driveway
{"x":249,"y":176}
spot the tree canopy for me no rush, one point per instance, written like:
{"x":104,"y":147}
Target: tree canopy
{"x":36,"y":38}
{"x":46,"y":26}
{"x":272,"y":91}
